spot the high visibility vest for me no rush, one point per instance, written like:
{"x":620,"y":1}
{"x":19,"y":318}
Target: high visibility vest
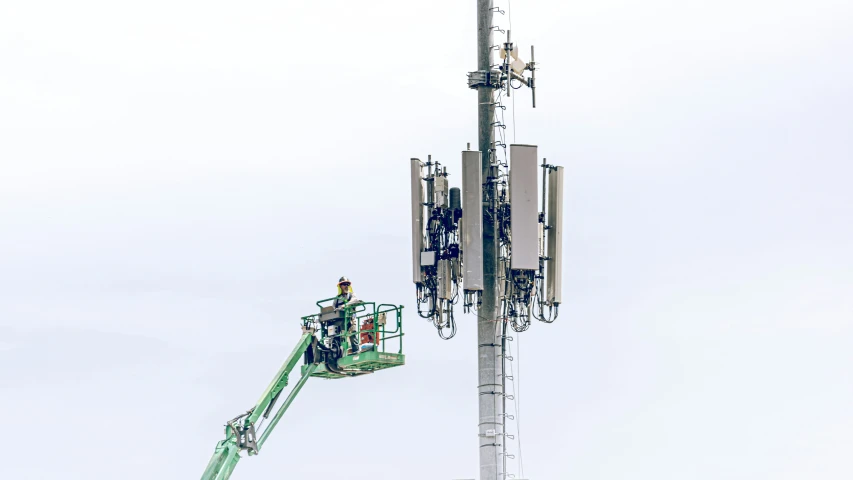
{"x":343,"y":298}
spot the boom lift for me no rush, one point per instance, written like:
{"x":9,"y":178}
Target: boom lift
{"x":352,"y":341}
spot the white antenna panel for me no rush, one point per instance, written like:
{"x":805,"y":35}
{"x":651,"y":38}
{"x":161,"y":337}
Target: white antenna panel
{"x":472,"y":220}
{"x":554,"y":266}
{"x":524,"y":211}
{"x":417,"y":219}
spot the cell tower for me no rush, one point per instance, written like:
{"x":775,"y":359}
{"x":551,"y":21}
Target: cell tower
{"x":492,"y":245}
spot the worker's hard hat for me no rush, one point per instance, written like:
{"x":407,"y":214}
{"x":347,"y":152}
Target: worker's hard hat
{"x":344,"y":280}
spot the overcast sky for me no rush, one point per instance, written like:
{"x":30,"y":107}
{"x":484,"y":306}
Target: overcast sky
{"x":181,"y":180}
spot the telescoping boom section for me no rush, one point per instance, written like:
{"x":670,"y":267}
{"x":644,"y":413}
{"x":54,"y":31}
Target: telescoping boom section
{"x":350,"y":341}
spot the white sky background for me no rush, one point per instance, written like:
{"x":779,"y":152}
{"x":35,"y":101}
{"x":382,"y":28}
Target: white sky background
{"x":180,"y":180}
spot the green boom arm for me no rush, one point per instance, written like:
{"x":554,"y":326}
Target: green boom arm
{"x":240,"y":433}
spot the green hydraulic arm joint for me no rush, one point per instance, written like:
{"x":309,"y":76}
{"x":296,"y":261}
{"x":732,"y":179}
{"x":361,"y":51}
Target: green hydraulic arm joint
{"x":240,"y":432}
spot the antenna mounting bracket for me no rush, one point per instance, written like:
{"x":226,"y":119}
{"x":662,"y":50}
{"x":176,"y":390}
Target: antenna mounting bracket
{"x":483,"y":78}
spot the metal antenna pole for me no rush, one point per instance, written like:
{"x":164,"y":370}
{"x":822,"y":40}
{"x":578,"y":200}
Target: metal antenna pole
{"x":488,"y":348}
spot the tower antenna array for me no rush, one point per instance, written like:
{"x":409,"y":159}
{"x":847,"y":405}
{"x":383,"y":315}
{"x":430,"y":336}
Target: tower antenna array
{"x":491,"y":245}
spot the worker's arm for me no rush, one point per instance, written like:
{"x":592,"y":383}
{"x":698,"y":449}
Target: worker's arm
{"x":241,"y":432}
{"x":352,"y":301}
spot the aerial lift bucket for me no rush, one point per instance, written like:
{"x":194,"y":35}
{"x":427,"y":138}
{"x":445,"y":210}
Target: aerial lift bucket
{"x":377,"y":328}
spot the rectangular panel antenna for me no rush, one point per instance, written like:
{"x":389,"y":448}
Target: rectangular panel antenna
{"x":441,"y":192}
{"x":417,"y":219}
{"x":445,"y":281}
{"x":524,"y":211}
{"x":554,"y":266}
{"x":472,"y":220}
{"x":500,"y":278}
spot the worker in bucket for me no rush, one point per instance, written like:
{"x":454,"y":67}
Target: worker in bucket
{"x":345,"y":298}
{"x":345,"y":294}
